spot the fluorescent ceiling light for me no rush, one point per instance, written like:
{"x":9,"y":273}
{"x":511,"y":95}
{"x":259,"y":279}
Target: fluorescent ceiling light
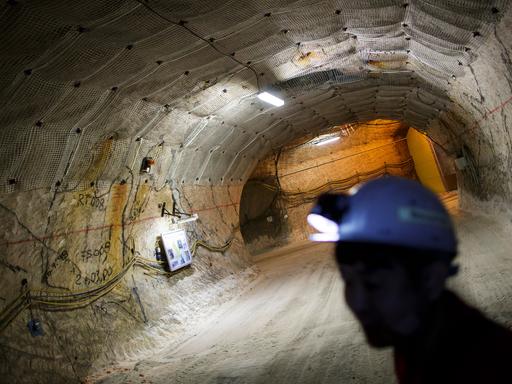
{"x":194,"y":217}
{"x":323,"y":142}
{"x":322,"y":224}
{"x":324,"y":237}
{"x":271,"y":99}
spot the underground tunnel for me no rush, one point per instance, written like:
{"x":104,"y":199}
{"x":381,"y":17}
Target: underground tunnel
{"x":159,"y":159}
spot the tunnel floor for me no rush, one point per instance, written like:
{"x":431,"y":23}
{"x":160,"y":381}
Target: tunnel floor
{"x":291,"y":324}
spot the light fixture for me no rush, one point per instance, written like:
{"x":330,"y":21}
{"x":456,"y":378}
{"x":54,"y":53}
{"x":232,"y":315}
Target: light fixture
{"x":324,"y":237}
{"x":271,"y":99}
{"x":146,"y":165}
{"x":322,"y":224}
{"x":327,"y":141}
{"x":194,"y":217}
{"x":326,"y":216}
{"x":177,"y":216}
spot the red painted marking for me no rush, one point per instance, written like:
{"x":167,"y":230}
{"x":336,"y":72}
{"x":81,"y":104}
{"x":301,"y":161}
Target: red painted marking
{"x":499,"y":107}
{"x":216,"y":207}
{"x":99,"y":228}
{"x":87,"y":229}
{"x":490,"y":112}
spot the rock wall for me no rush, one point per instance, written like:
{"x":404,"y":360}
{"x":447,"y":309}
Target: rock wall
{"x":61,"y":246}
{"x":65,"y":243}
{"x":478,"y":123}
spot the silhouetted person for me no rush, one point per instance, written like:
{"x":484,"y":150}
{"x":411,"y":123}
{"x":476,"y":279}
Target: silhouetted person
{"x":395,"y":248}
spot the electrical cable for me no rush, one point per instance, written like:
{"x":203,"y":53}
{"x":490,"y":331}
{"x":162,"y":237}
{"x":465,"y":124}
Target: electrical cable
{"x":150,"y":260}
{"x":301,"y":199}
{"x":276,"y":164}
{"x":58,"y":301}
{"x":5,"y":322}
{"x":85,"y":291}
{"x":42,"y":298}
{"x":182,"y":24}
{"x":200,"y":243}
{"x":13,"y":309}
{"x":342,"y":158}
{"x":336,"y":185}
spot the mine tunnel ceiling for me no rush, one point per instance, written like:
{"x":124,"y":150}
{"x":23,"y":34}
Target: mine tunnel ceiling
{"x":90,"y":88}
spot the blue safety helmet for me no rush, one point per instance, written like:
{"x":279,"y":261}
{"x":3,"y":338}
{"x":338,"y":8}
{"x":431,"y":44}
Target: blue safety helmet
{"x":390,"y":211}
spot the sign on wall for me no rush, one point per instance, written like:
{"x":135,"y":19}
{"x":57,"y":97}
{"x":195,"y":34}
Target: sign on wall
{"x":176,"y":249}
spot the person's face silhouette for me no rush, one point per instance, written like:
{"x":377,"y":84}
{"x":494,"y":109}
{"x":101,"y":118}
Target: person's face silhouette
{"x":388,"y":297}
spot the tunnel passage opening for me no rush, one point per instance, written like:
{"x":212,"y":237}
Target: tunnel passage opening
{"x":283,"y":186}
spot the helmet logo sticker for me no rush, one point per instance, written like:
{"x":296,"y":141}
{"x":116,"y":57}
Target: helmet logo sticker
{"x":422,"y":216}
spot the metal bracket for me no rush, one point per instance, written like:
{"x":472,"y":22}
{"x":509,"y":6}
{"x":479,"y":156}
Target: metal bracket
{"x":175,"y":212}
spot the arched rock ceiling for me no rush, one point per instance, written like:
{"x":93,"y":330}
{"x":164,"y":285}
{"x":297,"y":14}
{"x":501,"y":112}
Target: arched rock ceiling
{"x":87,"y":88}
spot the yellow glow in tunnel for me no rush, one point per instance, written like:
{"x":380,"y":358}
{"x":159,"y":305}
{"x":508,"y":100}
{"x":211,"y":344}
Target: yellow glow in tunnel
{"x":425,"y":161}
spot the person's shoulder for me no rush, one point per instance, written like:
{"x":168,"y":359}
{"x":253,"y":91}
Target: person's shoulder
{"x":476,"y":324}
{"x":469,"y":347}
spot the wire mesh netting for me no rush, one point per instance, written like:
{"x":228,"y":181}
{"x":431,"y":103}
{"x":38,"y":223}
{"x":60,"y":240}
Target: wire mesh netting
{"x":88,"y":89}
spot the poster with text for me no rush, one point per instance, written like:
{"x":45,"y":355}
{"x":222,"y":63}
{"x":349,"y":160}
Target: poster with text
{"x":176,"y":249}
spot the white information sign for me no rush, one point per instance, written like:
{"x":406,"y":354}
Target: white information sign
{"x":176,"y":249}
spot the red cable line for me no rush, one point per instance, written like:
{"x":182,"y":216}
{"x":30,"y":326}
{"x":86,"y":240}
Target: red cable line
{"x":101,"y":227}
{"x":487,"y":114}
{"x":88,"y":229}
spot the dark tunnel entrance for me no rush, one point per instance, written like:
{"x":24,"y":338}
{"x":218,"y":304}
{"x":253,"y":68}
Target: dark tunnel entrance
{"x":279,"y":193}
